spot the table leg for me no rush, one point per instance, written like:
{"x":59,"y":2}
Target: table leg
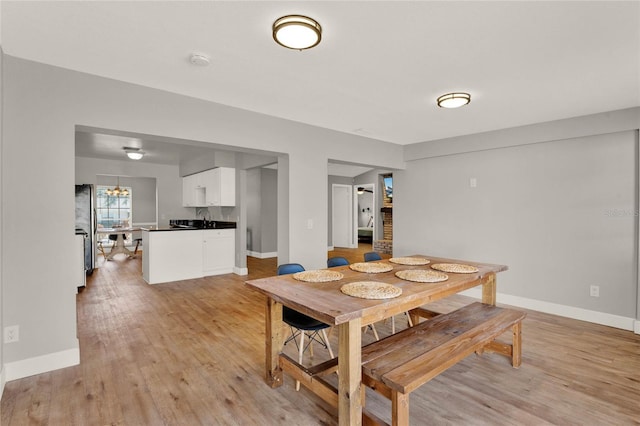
{"x":274,"y":340}
{"x":350,"y":373}
{"x":489,"y":289}
{"x":119,"y":247}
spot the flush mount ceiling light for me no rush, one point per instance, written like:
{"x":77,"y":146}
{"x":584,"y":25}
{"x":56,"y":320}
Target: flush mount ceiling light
{"x":297,"y":32}
{"x":453,"y":100}
{"x":133,"y":153}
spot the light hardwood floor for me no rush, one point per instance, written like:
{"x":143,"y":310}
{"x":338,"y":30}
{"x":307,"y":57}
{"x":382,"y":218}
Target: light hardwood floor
{"x":192,"y":353}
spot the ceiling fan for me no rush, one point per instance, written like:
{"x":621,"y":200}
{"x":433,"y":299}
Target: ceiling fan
{"x":361,"y":190}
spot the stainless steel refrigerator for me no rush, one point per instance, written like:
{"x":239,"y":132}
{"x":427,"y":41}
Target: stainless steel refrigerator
{"x":86,"y":223}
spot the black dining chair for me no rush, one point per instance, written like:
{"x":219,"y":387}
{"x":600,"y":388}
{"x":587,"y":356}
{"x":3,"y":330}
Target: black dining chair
{"x":302,"y":324}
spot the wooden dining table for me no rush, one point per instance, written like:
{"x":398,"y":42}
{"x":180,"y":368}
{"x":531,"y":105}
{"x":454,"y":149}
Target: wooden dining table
{"x":325,"y":302}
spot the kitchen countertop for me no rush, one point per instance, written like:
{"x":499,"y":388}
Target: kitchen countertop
{"x":221,"y":225}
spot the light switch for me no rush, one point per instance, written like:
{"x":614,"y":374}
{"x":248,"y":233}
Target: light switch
{"x":473,"y":182}
{"x":309,"y":223}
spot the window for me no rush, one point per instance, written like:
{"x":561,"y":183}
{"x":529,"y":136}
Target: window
{"x":112,"y":211}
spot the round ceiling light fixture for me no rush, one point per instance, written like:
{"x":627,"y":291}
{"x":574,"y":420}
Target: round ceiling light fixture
{"x":453,"y":100}
{"x":133,"y":153}
{"x":297,"y":32}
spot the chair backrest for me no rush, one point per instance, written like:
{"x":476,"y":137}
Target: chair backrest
{"x":290,"y":268}
{"x":336,"y":261}
{"x":371,"y":256}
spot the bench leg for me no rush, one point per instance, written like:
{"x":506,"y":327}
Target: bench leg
{"x":516,"y":356}
{"x":399,"y":408}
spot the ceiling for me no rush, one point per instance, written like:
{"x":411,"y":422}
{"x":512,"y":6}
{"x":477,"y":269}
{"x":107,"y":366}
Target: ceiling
{"x":377,"y":71}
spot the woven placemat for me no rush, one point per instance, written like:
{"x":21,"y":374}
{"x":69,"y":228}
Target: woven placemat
{"x":371,"y":267}
{"x":319,"y":276}
{"x":371,"y":290}
{"x":422,"y":275}
{"x":456,"y":268}
{"x":409,"y":260}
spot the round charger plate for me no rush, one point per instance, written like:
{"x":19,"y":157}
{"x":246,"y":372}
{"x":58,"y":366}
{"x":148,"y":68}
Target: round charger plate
{"x":409,"y":260}
{"x":422,"y":275}
{"x":318,"y":276}
{"x":456,"y":268}
{"x":371,"y":267}
{"x":371,"y":290}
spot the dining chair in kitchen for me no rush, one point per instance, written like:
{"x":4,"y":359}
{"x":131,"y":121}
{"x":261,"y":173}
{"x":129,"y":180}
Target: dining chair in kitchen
{"x":332,"y":262}
{"x":302,"y":324}
{"x":372,"y":256}
{"x":101,"y":245}
{"x":138,"y":241}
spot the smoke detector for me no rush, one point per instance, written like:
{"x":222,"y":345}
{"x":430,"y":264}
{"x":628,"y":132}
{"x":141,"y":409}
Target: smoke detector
{"x":199,"y":59}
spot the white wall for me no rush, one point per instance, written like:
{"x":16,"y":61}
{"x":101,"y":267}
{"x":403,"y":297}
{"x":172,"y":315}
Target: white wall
{"x":2,"y":371}
{"x":560,"y":212}
{"x":168,"y":182}
{"x":143,"y":195}
{"x":42,"y":107}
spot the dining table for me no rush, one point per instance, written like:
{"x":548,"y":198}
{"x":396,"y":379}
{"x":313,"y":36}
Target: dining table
{"x":326,"y":302}
{"x":119,"y":246}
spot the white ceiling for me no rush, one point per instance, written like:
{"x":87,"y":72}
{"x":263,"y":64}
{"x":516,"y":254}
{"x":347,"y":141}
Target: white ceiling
{"x":378,"y":69}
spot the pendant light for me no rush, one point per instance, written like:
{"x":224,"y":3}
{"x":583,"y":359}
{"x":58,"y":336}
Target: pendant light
{"x":117,"y":192}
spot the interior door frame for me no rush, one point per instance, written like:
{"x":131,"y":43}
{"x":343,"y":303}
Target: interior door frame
{"x":372,"y":187}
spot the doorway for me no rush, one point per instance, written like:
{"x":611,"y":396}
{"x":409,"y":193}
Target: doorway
{"x":365,"y":213}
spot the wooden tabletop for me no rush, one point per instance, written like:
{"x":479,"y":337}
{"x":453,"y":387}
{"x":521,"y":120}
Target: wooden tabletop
{"x":325,"y":301}
{"x":109,"y":231}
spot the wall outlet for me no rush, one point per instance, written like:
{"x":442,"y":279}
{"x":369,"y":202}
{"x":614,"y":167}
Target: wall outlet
{"x":594,"y":291}
{"x":11,"y":333}
{"x":473,"y":182}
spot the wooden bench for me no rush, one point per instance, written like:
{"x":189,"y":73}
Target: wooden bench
{"x":399,"y":364}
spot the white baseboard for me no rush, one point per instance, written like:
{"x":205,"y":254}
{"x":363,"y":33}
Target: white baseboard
{"x":596,"y":317}
{"x":42,"y":364}
{"x":262,"y":255}
{"x":330,"y":248}
{"x":636,"y":327}
{"x":2,"y":380}
{"x":240,"y":271}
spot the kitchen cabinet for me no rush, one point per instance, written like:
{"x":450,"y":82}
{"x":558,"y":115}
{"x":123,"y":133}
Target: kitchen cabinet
{"x":221,"y":187}
{"x":174,"y":255}
{"x":193,"y":191}
{"x":171,"y":255}
{"x":218,"y":251}
{"x":215,"y":187}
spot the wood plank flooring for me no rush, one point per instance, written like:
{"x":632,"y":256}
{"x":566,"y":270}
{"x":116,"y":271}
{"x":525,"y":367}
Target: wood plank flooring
{"x":192,"y":353}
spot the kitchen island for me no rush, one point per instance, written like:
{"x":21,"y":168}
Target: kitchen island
{"x":182,"y":253}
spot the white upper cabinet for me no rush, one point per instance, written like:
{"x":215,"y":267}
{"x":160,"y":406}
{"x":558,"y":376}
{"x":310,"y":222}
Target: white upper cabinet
{"x":215,"y":187}
{"x":193,"y":191}
{"x":221,"y":186}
